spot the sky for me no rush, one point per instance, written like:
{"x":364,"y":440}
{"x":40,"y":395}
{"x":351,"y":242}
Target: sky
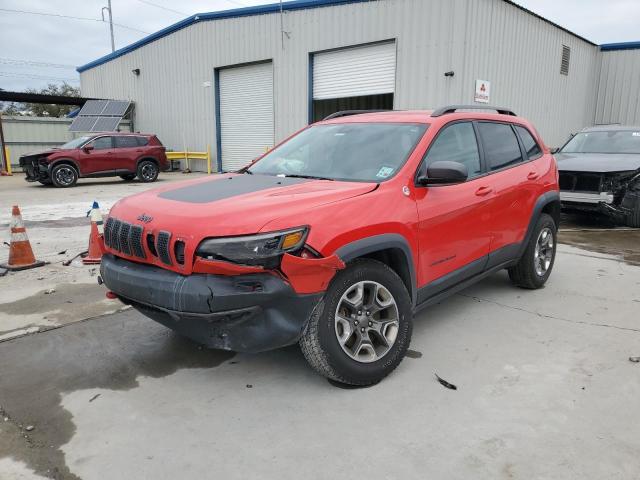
{"x":39,"y":49}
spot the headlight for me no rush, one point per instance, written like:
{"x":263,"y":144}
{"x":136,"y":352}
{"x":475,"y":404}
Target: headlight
{"x":263,"y":249}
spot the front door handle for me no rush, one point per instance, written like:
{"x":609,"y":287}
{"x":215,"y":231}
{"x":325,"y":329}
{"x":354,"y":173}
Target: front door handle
{"x":532,"y":176}
{"x":482,"y":191}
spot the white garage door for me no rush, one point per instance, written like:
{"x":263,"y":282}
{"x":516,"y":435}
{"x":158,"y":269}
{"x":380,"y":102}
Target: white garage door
{"x":246,"y":113}
{"x":354,"y":72}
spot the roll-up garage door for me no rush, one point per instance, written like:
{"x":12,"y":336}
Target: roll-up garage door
{"x":246,"y":113}
{"x":355,"y":72}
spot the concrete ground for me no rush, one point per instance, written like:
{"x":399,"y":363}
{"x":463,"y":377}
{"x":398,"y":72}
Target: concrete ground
{"x":545,"y":386}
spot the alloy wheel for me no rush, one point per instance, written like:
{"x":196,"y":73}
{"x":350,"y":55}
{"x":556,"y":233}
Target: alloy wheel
{"x":366,"y":321}
{"x":543,"y":254}
{"x":65,"y":175}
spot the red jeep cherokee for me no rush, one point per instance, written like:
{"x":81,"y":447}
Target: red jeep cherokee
{"x":337,"y":236}
{"x":126,"y":155}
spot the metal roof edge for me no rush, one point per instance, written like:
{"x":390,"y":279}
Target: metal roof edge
{"x":274,"y":8}
{"x":608,"y":47}
{"x":198,"y":17}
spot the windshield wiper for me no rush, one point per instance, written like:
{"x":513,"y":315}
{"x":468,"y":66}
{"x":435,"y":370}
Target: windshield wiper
{"x":312,"y":177}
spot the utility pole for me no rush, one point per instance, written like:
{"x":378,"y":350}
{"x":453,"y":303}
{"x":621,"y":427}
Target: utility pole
{"x":113,"y":44}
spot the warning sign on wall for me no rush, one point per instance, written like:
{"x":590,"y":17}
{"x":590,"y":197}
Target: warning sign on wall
{"x":482,"y":91}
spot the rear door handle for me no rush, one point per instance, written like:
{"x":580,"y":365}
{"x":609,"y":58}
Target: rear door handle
{"x":482,"y":191}
{"x":532,"y":176}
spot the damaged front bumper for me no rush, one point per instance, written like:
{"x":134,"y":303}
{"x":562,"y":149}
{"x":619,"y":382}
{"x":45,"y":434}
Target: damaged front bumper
{"x":602,"y":202}
{"x":244,"y":313}
{"x":34,"y":171}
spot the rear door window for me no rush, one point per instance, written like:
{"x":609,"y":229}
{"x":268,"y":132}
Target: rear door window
{"x":102,"y":143}
{"x":456,"y":143}
{"x":530,"y":145}
{"x":126,"y":142}
{"x":142,"y":141}
{"x":501,"y":147}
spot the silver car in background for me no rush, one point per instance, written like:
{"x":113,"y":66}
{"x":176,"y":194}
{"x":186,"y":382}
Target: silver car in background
{"x":600,"y":171}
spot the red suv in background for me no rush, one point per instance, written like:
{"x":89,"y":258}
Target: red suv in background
{"x":337,"y":236}
{"x":127,"y":155}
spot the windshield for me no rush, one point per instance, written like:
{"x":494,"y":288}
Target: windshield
{"x":75,"y":143}
{"x":367,"y":152}
{"x":614,"y":141}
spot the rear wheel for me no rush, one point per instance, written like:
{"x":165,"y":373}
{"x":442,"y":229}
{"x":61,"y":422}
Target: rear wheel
{"x":128,"y":177}
{"x":534,"y":268}
{"x":633,"y":218}
{"x":361,"y":330}
{"x":148,"y":171}
{"x":64,"y":176}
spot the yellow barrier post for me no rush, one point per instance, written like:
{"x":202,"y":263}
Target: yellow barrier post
{"x":208,"y":159}
{"x":7,"y":157}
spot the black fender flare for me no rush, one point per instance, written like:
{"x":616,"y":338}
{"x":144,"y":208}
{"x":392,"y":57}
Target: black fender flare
{"x":377,"y":243}
{"x":545,"y":199}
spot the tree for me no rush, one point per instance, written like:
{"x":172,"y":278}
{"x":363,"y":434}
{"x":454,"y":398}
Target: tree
{"x":51,"y":110}
{"x":11,"y":109}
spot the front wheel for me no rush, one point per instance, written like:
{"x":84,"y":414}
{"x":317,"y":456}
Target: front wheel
{"x":535,"y":265}
{"x":148,"y":171}
{"x":360,"y":331}
{"x":64,"y":176}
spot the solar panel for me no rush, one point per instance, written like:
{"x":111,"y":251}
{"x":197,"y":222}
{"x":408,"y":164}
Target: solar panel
{"x":115,"y":107}
{"x":93,"y":107}
{"x":106,"y":124}
{"x":100,"y":116}
{"x":82,"y":124}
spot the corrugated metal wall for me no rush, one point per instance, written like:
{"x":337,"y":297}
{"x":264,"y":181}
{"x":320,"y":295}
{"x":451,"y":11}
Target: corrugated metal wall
{"x":493,"y":40}
{"x":28,"y":134}
{"x":619,"y":88}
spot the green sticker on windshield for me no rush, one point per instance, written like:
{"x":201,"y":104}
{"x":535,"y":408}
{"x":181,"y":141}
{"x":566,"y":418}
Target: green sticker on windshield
{"x":384,"y":172}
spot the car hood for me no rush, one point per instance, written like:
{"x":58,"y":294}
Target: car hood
{"x":230,"y":204}
{"x":42,"y":153}
{"x":597,"y":162}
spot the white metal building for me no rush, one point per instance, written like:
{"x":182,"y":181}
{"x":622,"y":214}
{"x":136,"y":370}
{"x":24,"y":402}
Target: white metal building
{"x":243,"y":79}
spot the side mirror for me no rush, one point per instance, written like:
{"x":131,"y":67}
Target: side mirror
{"x":87,"y":148}
{"x":444,"y":173}
{"x":554,"y":150}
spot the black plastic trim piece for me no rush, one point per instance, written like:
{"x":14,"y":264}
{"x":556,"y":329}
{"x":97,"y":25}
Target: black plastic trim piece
{"x":452,"y":279}
{"x":378,"y":243}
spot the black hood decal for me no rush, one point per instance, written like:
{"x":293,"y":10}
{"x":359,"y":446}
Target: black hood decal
{"x":228,"y":187}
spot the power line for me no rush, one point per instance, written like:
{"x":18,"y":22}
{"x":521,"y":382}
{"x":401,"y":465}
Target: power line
{"x":31,"y":63}
{"x":71,"y":17}
{"x":36,"y":76}
{"x":163,"y":8}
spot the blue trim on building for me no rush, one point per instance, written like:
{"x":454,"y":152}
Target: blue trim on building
{"x":216,"y":81}
{"x":608,"y":47}
{"x":201,"y":17}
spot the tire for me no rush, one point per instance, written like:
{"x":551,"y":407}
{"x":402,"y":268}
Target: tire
{"x":64,"y":175}
{"x":633,"y":218}
{"x":533,"y":271}
{"x":320,"y":342}
{"x":148,"y":171}
{"x":128,"y":177}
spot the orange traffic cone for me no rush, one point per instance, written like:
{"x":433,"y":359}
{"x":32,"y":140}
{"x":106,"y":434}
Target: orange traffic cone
{"x":96,"y":245}
{"x":20,"y":253}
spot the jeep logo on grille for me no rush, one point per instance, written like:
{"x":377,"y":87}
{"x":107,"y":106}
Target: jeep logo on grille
{"x":145,"y":218}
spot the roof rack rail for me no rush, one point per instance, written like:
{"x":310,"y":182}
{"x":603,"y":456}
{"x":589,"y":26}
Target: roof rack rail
{"x":452,"y":108}
{"x":346,"y":113}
